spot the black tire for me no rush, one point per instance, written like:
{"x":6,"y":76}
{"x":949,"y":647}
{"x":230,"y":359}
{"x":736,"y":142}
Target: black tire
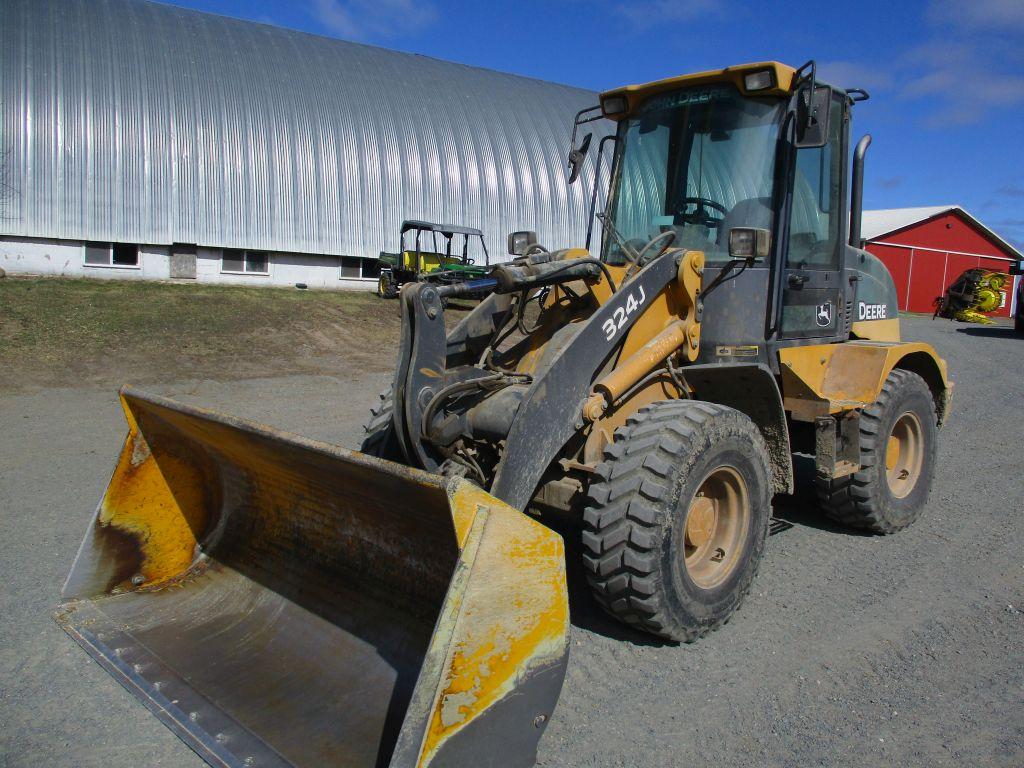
{"x":386,"y":287}
{"x":635,"y":522}
{"x":379,"y":439}
{"x":1018,"y":325}
{"x":866,"y":499}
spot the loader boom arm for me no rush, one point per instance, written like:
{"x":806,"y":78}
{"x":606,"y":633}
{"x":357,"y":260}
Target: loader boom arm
{"x":551,"y":411}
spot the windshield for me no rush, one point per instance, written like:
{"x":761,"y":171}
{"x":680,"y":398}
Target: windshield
{"x":697,"y":161}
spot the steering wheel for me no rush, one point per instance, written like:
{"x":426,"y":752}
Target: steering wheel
{"x":649,"y":252}
{"x":701,"y":215}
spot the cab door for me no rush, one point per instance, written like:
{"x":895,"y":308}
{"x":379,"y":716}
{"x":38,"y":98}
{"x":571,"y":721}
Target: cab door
{"x":813,"y":304}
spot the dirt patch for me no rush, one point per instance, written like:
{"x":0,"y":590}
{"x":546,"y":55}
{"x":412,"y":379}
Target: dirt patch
{"x":60,"y":332}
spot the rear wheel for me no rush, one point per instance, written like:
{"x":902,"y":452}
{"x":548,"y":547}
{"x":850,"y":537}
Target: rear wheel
{"x":676,"y":518}
{"x":898,"y":436}
{"x":386,"y":287}
{"x":379,"y":439}
{"x":1018,"y":325}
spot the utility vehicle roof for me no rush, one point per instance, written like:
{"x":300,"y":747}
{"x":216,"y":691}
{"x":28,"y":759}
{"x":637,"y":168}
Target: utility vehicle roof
{"x":444,"y":229}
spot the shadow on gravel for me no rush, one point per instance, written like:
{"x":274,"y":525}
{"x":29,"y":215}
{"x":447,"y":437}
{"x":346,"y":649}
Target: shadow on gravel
{"x":990,"y":332}
{"x":802,"y":507}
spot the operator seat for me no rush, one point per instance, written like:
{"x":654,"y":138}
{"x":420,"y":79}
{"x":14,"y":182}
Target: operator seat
{"x":751,"y":212}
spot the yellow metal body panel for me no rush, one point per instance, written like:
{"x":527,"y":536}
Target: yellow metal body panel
{"x":635,"y":94}
{"x":877,"y":330}
{"x":823,"y":379}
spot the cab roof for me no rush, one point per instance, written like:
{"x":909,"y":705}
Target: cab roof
{"x":783,"y":83}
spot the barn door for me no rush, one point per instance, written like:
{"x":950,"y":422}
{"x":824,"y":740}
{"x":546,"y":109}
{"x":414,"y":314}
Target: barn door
{"x":812,"y":296}
{"x":183,"y":262}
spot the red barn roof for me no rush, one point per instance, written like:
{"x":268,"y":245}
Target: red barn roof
{"x":877,"y":224}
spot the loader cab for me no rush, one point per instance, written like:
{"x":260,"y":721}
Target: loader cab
{"x":703,"y":158}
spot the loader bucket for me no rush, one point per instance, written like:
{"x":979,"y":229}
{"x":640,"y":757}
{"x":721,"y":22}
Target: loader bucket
{"x":281,"y":602}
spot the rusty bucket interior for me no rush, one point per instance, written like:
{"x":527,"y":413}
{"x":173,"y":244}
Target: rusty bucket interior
{"x":282,"y":602}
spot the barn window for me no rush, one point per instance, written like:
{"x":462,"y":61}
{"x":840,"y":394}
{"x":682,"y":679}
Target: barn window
{"x":125,"y":255}
{"x":111,"y":255}
{"x":353,"y":268}
{"x":238,"y":261}
{"x":371,"y":269}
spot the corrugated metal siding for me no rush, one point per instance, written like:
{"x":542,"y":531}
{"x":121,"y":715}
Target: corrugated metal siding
{"x":138,"y":122}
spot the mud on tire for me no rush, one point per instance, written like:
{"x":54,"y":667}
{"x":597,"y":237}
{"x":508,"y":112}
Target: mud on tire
{"x":636,"y":538}
{"x":869,"y":499}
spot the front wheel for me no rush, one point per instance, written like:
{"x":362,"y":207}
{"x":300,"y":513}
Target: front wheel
{"x":379,"y":438}
{"x":676,"y":518}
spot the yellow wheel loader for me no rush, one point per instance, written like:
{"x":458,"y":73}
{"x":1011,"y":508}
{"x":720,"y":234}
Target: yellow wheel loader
{"x":281,"y":602}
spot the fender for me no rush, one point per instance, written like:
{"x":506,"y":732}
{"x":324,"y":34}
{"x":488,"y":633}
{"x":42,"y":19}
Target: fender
{"x":824,"y":379}
{"x":750,"y":388}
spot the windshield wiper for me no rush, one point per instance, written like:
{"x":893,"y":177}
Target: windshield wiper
{"x":625,"y":247}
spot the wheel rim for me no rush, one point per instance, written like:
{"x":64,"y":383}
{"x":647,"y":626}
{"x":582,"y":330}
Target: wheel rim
{"x":904,"y":455}
{"x":717,"y":521}
{"x":381,"y":286}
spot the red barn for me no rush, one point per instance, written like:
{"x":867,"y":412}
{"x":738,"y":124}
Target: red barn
{"x":926,"y":249}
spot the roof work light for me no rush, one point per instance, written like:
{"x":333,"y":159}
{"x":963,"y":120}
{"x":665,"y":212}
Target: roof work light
{"x":614,"y":105}
{"x":759,"y":81}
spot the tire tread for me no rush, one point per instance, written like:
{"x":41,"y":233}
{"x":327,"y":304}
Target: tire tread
{"x":628,"y":503}
{"x":851,"y":500}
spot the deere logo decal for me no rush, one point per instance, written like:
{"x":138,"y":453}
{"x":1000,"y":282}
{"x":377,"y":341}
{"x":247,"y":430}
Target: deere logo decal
{"x":823,"y":314}
{"x":871,"y":311}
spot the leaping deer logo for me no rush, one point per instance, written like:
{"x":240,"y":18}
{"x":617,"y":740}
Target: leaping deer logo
{"x":823,"y":315}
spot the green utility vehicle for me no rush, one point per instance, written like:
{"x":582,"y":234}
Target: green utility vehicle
{"x":433,"y":255}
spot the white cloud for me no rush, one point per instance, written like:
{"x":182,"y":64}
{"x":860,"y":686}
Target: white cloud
{"x":366,"y":19}
{"x":852,"y":74}
{"x":969,"y":66}
{"x":645,"y":14}
{"x":998,"y":15}
{"x":1012,"y":190}
{"x":963,"y":79}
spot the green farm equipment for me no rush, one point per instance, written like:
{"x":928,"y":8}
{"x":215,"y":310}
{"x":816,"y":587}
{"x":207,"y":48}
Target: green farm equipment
{"x":433,"y":254}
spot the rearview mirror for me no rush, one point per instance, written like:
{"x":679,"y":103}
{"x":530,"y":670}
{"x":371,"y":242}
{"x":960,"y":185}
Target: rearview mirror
{"x":812,"y":116}
{"x":576,"y":157}
{"x":751,"y":243}
{"x":519,"y":242}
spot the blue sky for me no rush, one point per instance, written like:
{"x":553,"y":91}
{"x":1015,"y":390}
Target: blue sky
{"x":946,"y":76}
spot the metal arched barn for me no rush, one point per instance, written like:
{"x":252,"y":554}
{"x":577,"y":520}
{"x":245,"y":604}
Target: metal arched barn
{"x":145,"y":140}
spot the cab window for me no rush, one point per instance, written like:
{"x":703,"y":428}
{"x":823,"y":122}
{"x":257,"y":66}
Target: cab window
{"x":816,"y":217}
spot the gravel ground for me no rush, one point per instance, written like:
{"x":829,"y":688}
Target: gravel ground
{"x":851,"y":650}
